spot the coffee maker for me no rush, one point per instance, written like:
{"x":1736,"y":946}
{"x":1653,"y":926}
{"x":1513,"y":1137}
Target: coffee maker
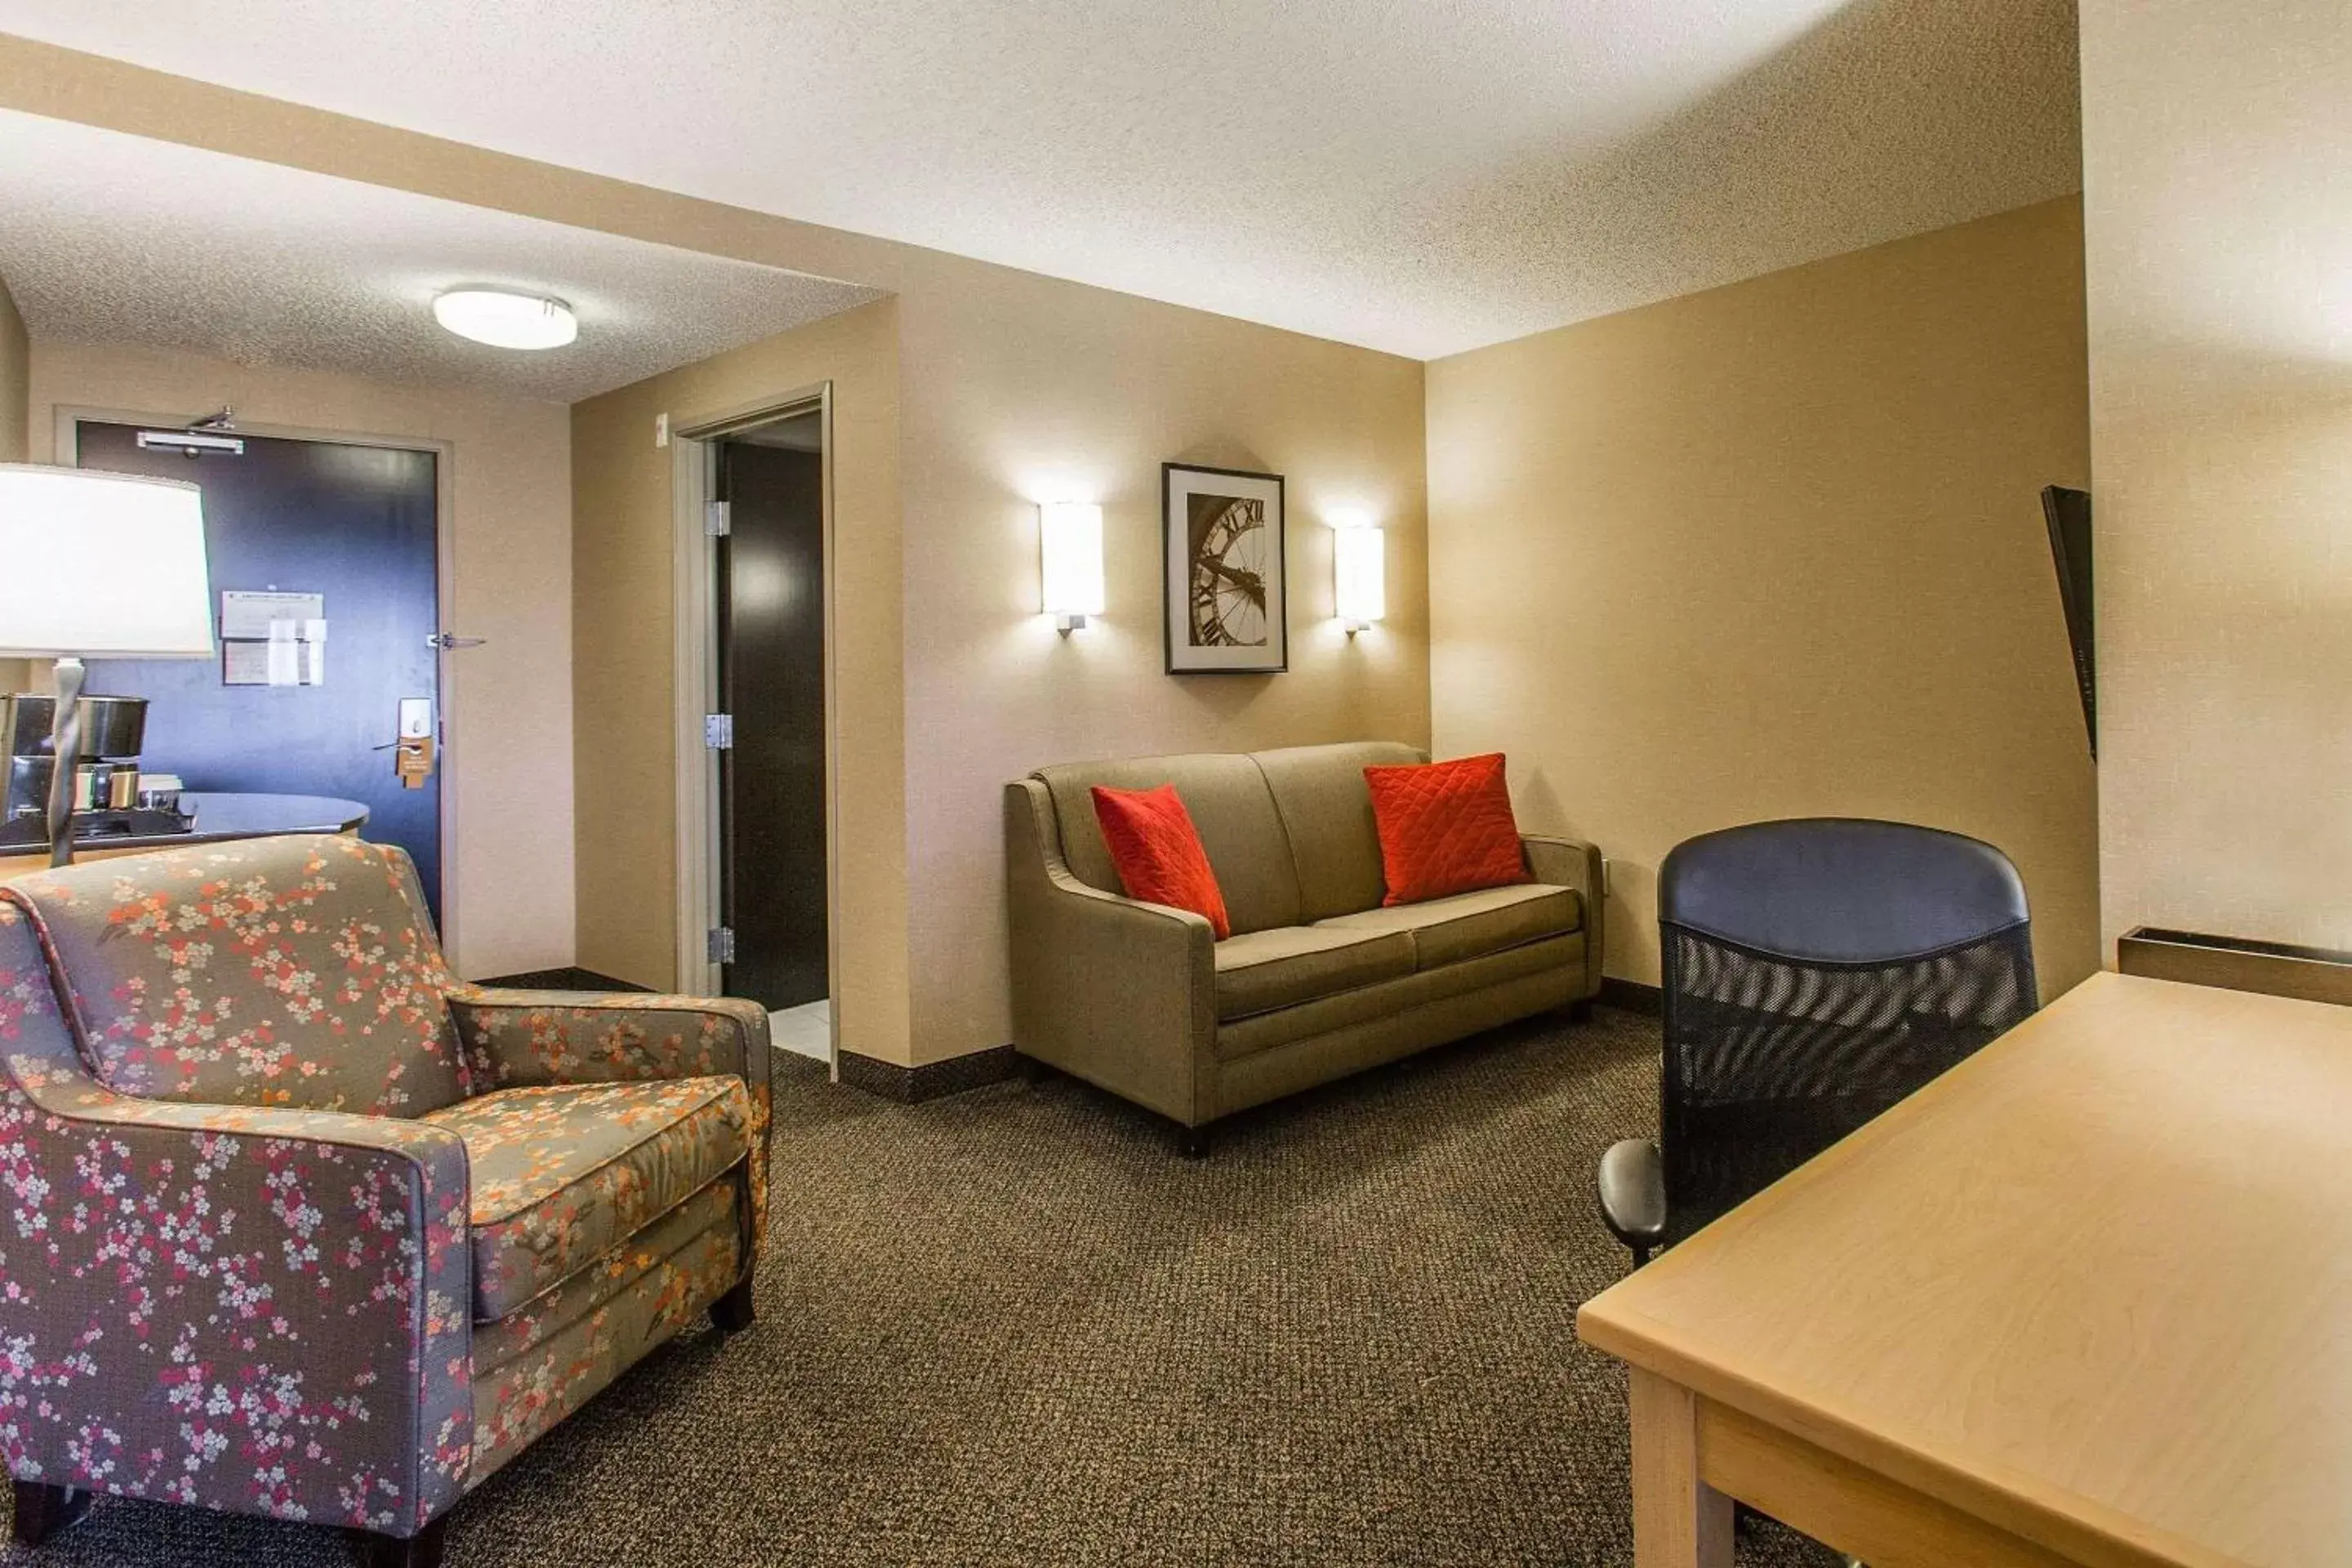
{"x":107,"y":799}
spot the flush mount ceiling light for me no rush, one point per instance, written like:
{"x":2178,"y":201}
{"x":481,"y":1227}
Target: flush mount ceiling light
{"x":507,"y":321}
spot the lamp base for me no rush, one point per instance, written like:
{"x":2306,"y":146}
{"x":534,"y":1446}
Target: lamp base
{"x":65,"y":760}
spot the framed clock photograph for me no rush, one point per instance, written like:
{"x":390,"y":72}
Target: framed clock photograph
{"x":1221,"y":548}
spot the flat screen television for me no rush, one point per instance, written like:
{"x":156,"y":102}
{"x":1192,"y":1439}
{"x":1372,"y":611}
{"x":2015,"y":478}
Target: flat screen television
{"x":2068,"y":513}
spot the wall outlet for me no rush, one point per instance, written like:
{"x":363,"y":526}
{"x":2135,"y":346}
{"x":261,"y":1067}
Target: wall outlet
{"x":661,"y":429}
{"x":1608,"y":876}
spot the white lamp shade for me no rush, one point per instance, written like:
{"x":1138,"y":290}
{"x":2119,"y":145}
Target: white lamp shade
{"x":101,"y":565}
{"x":1360,"y":567}
{"x":1070,"y":536}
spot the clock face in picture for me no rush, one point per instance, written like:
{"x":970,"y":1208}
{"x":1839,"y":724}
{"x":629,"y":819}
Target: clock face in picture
{"x":1228,"y":555}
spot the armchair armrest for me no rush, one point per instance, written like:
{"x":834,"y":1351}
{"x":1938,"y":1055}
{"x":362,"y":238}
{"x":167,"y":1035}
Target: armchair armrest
{"x":253,"y":1309}
{"x":1116,"y":991}
{"x":519,"y":1038}
{"x":1572,"y":863}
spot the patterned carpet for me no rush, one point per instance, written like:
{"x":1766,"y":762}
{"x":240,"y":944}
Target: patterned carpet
{"x":1014,"y":1326}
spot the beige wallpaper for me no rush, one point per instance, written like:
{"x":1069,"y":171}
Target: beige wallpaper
{"x":1017,"y":386}
{"x":508,"y":704}
{"x":15,"y":369}
{"x":956,"y":407}
{"x":624,"y":668}
{"x":2219,"y":262}
{"x":1775,"y":550}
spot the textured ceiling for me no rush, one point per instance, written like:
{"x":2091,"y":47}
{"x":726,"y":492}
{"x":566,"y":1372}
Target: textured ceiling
{"x":112,"y":237}
{"x":1419,"y":175}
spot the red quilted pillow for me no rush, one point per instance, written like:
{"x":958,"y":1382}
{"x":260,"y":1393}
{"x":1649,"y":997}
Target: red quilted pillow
{"x":1445,"y":827}
{"x":1157,"y":852}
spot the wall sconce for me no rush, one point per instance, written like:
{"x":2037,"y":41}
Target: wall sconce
{"x":1359,"y":571}
{"x":1069,"y":536}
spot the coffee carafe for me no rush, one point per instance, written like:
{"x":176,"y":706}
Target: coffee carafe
{"x":106,"y":794}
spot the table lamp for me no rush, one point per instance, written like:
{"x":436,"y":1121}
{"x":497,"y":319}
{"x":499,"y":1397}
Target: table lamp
{"x":102,"y":565}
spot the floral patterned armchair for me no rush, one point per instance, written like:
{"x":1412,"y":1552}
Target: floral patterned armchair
{"x":294,"y":1224}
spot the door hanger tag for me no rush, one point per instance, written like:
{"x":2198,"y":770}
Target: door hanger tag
{"x":413,"y":761}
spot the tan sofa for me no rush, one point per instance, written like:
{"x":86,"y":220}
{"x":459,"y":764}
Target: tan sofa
{"x":1318,"y":981}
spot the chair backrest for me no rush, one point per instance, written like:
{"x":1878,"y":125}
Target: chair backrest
{"x":299,"y":971}
{"x":1289,"y":833}
{"x":1815,"y":972}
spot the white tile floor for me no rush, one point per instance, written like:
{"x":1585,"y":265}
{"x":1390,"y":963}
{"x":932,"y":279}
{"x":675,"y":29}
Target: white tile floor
{"x":805,"y":1030}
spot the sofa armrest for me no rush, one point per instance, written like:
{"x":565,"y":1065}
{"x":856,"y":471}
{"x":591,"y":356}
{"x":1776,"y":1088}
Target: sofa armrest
{"x":516,"y":1039}
{"x":1572,"y":863}
{"x":1116,"y":991}
{"x":253,"y":1309}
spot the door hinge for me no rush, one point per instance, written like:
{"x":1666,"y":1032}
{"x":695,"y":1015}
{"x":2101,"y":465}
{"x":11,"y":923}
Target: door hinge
{"x":722,"y":944}
{"x":719,"y":732}
{"x":718,"y":519}
{"x":445,"y":640}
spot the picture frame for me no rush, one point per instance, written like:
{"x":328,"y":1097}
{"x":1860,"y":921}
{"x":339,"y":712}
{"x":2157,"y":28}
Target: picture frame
{"x":1224,"y":571}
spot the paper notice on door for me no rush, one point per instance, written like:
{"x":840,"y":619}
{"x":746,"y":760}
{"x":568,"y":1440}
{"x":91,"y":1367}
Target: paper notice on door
{"x":244,"y":664}
{"x":250,"y":614}
{"x":294,"y":653}
{"x":285,"y":655}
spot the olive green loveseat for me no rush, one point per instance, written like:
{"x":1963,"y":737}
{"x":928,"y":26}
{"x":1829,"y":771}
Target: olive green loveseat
{"x":1318,"y":981}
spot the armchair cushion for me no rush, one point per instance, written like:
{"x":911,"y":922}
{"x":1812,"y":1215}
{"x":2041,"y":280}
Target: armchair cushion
{"x":1471,"y":925}
{"x":295,"y":971}
{"x":565,"y":1173}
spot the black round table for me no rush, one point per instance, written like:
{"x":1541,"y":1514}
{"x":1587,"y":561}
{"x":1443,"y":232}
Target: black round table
{"x":219,"y":817}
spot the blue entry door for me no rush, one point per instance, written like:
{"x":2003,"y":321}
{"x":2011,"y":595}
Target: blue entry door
{"x":356,"y":525}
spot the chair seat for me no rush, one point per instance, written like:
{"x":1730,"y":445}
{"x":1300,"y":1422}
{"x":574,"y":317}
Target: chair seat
{"x":1472,"y":925}
{"x":562,"y":1175}
{"x":1260,"y":971}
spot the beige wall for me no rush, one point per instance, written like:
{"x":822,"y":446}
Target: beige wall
{"x":509,"y":703}
{"x":15,"y":369}
{"x":625,"y":664}
{"x":955,"y":407}
{"x":2217,"y":193}
{"x":1775,"y":550}
{"x":1017,"y":386}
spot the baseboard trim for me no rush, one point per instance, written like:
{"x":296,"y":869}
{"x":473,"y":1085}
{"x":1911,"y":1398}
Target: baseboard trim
{"x":572,"y":977}
{"x":911,"y":1086}
{"x":1631,"y":997}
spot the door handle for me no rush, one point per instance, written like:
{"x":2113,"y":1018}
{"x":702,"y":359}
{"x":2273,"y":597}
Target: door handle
{"x":447,"y":640}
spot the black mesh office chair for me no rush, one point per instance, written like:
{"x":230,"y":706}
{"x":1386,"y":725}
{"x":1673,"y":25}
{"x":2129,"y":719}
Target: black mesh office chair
{"x":1815,"y":972}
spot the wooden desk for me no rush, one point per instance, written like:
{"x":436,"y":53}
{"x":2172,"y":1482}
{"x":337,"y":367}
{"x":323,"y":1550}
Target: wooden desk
{"x":2085,"y":1299}
{"x":219,"y":817}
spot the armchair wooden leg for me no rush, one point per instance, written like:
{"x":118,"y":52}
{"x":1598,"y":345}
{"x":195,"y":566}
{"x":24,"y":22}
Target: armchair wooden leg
{"x":42,"y":1511}
{"x":1580,"y":1012}
{"x":422,"y":1550}
{"x":1193,"y":1143}
{"x":735,"y":1312}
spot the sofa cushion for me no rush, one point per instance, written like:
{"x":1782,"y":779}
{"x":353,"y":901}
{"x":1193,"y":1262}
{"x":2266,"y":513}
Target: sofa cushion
{"x":295,"y":971}
{"x":1261,"y":971}
{"x":563,"y":1174}
{"x":1471,"y":925}
{"x":1158,"y":853}
{"x":1327,"y":814}
{"x":1388,"y":1009}
{"x":1230,"y":805}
